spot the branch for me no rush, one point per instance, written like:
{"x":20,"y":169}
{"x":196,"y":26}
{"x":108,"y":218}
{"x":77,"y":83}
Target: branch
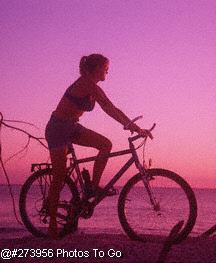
{"x":24,"y":122}
{"x":25,"y":132}
{"x":39,"y":139}
{"x":22,"y":150}
{"x":25,"y":147}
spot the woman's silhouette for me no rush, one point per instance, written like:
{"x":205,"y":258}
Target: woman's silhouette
{"x":63,"y":127}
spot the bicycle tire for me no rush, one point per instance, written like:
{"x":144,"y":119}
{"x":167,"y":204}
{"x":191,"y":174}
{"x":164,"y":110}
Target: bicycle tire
{"x":30,"y":191}
{"x":139,"y":225}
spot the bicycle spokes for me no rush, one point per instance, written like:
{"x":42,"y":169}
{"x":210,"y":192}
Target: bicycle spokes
{"x":150,"y":208}
{"x":34,"y":203}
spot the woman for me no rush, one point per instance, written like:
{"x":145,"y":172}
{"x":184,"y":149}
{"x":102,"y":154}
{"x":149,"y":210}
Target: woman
{"x":63,"y":127}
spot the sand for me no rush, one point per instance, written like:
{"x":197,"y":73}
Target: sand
{"x":84,"y":247}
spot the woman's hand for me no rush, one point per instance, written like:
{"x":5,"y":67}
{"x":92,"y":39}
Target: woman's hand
{"x":145,"y":133}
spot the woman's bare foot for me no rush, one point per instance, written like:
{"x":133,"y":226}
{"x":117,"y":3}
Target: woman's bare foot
{"x":53,"y":231}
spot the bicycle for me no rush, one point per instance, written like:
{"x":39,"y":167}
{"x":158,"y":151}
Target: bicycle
{"x":149,"y":205}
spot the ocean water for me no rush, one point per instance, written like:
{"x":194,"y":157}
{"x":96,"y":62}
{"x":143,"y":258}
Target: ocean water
{"x":105,"y":218}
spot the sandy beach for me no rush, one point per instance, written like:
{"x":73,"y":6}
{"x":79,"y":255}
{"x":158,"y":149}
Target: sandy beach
{"x":84,"y":247}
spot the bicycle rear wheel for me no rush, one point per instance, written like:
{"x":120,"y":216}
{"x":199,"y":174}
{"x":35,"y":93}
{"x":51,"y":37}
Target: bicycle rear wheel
{"x":176,"y":202}
{"x":34,"y":206}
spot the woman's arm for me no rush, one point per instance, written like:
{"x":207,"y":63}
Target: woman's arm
{"x":110,"y":109}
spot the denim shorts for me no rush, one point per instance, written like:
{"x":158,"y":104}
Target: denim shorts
{"x":60,"y":133}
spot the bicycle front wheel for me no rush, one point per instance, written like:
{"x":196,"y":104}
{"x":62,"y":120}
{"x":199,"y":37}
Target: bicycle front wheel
{"x":33,"y":203}
{"x":175,"y":202}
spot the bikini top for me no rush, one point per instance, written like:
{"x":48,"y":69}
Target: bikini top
{"x":82,"y":103}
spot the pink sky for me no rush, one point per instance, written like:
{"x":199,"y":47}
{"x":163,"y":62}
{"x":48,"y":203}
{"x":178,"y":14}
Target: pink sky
{"x":163,"y":65}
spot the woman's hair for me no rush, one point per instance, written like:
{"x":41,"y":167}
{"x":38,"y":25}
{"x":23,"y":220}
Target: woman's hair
{"x":89,"y":63}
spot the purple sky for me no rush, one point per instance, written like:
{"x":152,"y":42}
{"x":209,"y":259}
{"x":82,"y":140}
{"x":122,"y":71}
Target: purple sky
{"x":163,"y":65}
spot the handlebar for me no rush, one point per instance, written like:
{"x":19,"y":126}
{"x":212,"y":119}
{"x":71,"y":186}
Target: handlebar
{"x":138,"y":136}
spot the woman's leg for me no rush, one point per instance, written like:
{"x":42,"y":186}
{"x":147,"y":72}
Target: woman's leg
{"x":90,"y":138}
{"x":58,"y":159}
{"x":87,"y":138}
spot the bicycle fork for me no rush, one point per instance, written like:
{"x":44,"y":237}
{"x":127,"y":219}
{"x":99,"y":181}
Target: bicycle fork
{"x":145,"y":179}
{"x":152,"y":198}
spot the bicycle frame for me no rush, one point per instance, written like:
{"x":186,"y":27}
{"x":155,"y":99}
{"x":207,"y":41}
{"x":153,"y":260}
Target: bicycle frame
{"x":118,"y":175}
